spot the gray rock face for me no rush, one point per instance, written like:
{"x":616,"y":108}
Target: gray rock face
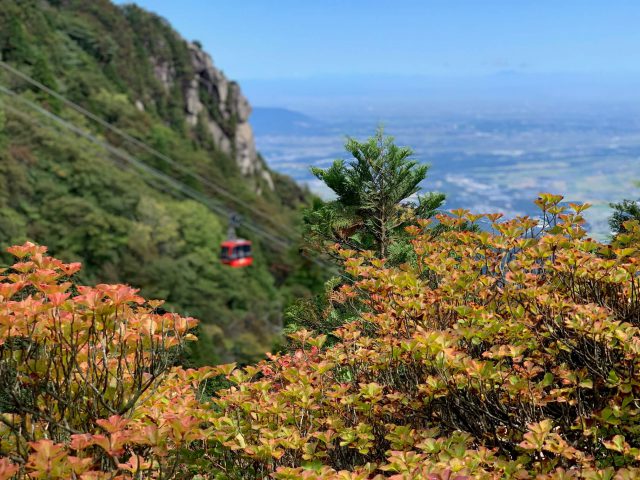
{"x":193,"y":105}
{"x":219,"y":137}
{"x":164,"y":72}
{"x":225,"y":108}
{"x":240,"y":105}
{"x":234,"y":110}
{"x":246,"y":154}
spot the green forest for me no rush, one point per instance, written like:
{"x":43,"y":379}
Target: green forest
{"x":87,"y":204}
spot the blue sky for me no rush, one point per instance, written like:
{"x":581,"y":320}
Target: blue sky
{"x":269,"y":39}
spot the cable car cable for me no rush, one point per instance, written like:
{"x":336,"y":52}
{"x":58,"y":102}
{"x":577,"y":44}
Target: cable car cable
{"x":156,"y":173}
{"x":139,"y":164}
{"x":137,"y":142}
{"x":156,"y":153}
{"x":161,"y":187}
{"x":147,"y":148}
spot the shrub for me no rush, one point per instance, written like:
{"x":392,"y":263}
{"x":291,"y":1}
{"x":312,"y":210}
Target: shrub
{"x":504,"y":353}
{"x":89,"y":389}
{"x":509,"y":352}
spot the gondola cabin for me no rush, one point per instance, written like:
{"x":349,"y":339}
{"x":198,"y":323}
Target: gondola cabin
{"x":236,"y":253}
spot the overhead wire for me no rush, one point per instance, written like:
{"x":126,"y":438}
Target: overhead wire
{"x":29,"y":119}
{"x":158,"y":175}
{"x":139,"y":143}
{"x":188,"y":191}
{"x":203,"y":180}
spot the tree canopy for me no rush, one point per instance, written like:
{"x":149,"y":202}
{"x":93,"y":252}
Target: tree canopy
{"x":377,"y":196}
{"x":623,"y":212}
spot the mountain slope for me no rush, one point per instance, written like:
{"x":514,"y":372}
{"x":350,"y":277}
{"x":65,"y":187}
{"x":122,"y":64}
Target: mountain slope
{"x":132,"y":69}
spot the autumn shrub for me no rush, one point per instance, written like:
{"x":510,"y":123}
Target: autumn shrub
{"x":507,"y":352}
{"x":89,"y":386}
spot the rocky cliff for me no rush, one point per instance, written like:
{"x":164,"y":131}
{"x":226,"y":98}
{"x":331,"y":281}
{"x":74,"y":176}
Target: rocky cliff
{"x":211,"y":98}
{"x":230,"y":105}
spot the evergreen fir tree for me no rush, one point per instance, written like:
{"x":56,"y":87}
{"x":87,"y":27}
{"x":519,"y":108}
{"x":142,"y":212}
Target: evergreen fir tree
{"x":376,"y":196}
{"x":622,"y":212}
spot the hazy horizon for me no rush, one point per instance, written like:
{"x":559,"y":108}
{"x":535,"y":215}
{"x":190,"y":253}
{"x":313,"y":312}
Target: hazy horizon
{"x":315,"y":56}
{"x":411,"y":94}
{"x":504,"y":99}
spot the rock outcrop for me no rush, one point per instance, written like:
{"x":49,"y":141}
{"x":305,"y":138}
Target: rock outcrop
{"x":212,"y":98}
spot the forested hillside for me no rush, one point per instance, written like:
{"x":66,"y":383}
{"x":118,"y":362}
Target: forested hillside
{"x":126,"y":225}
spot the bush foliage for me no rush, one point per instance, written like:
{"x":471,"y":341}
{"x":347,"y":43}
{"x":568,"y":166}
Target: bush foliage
{"x":508,"y":352}
{"x":89,"y":386}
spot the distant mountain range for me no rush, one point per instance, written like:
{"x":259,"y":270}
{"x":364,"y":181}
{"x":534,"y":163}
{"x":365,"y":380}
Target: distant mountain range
{"x":363,"y":95}
{"x":281,"y":121}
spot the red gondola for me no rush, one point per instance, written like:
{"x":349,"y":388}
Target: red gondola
{"x":235,"y":252}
